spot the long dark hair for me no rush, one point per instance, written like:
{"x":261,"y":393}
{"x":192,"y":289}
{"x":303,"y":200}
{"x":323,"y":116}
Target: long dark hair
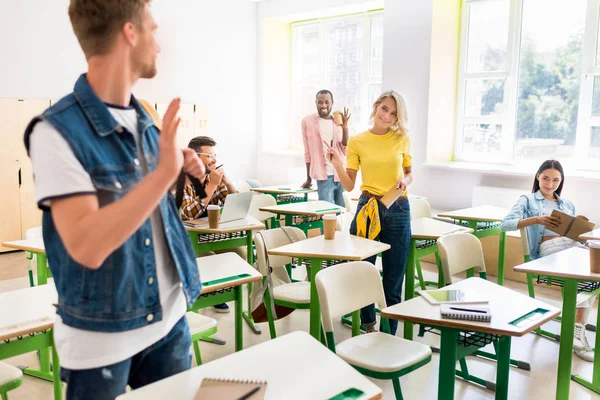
{"x":196,"y":144}
{"x":549,"y":164}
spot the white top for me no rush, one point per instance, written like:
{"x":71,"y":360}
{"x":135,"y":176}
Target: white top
{"x":58,"y":173}
{"x":485,"y":213}
{"x":570,"y":263}
{"x":429,"y":228}
{"x":34,"y":313}
{"x":326,"y":130}
{"x":312,"y":208}
{"x":220,"y":266}
{"x":324,"y":375}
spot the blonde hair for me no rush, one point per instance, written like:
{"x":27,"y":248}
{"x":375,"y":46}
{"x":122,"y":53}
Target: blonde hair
{"x":400,"y":126}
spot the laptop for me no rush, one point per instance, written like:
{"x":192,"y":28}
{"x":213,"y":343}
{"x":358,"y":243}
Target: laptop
{"x":235,"y":208}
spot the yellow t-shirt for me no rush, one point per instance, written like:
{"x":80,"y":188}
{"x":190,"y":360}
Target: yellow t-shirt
{"x":381,"y":158}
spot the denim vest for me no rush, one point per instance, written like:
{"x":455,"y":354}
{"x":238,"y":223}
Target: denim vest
{"x":118,"y":296}
{"x":532,"y":205}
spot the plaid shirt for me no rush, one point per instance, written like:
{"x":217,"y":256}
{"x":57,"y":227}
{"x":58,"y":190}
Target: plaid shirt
{"x":192,"y":207}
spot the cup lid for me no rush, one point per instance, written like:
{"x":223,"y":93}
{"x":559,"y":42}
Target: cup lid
{"x":213,"y":207}
{"x":595,"y":244}
{"x":329,"y":216}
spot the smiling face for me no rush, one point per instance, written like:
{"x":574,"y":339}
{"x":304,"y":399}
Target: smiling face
{"x":324,"y":103}
{"x":386,"y":114}
{"x":549,"y":180}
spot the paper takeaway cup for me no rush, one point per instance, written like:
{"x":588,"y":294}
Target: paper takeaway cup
{"x":337,"y":118}
{"x":214,"y":214}
{"x":329,"y":223}
{"x":594,"y":256}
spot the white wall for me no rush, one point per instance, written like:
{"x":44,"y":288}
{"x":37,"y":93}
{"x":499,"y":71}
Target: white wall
{"x":407,"y":45}
{"x":208,"y":56}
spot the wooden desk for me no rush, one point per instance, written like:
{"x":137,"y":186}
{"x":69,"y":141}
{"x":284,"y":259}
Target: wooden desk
{"x":572,"y":265}
{"x":490,"y":216}
{"x":286,"y":194}
{"x":344,"y":247}
{"x":229,"y":235}
{"x":324,"y":375}
{"x":506,"y":306}
{"x":34,"y":246}
{"x":26,"y":320}
{"x":424,"y":229}
{"x":591,"y":235}
{"x":225,"y":271}
{"x":308,"y":210}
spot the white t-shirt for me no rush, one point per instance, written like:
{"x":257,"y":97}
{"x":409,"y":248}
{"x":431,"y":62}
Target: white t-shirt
{"x":59,"y":173}
{"x":326,"y":129}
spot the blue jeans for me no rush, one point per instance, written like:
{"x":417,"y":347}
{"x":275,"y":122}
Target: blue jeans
{"x":167,"y":357}
{"x":331,"y":191}
{"x":395,"y":231}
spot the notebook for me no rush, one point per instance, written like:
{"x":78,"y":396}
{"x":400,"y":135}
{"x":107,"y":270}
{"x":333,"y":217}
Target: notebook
{"x":196,"y":223}
{"x":469,"y":313}
{"x":452,"y":296}
{"x":572,"y":227}
{"x":231,"y":389}
{"x":391,"y":196}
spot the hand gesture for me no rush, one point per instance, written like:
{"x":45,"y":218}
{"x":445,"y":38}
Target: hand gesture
{"x":170,"y":156}
{"x":401,"y":185}
{"x":345,"y":117}
{"x":216,"y":176}
{"x":192,"y":165}
{"x":332,"y":155}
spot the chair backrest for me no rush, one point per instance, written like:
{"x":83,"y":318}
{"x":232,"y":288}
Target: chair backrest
{"x":258,"y":201}
{"x":460,"y":252}
{"x":271,"y":239}
{"x":242,"y":186}
{"x":253,"y":183}
{"x":347,"y":287}
{"x":525,"y":244}
{"x":419,"y":208}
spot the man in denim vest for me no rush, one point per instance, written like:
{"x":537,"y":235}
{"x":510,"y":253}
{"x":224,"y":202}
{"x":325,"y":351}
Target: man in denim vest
{"x":122,"y":262}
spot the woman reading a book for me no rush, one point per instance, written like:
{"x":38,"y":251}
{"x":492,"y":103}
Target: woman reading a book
{"x":383,"y":153}
{"x":534,"y":212}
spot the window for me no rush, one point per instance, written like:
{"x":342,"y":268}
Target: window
{"x":343,"y":55}
{"x":529,"y":82}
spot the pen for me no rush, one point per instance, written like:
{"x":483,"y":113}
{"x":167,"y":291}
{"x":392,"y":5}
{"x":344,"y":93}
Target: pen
{"x":219,"y":166}
{"x":250,"y":393}
{"x":331,"y":155}
{"x":467,"y":309}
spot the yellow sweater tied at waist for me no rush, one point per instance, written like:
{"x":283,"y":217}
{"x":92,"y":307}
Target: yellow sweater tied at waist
{"x":368,"y":214}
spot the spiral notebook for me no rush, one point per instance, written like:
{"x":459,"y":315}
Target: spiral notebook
{"x":231,"y":389}
{"x":466,"y":312}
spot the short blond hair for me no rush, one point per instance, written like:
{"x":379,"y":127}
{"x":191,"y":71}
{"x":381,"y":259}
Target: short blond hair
{"x":400,"y":126}
{"x":97,"y":22}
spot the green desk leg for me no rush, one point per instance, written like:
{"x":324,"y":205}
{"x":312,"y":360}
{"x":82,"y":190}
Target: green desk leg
{"x":289,"y":219}
{"x":567,"y":327}
{"x":503,"y":368}
{"x":595,"y":383}
{"x":355,"y":323}
{"x":58,"y":392}
{"x":239,"y":331}
{"x":447,"y":363}
{"x":315,"y":310}
{"x":409,"y":287}
{"x":501,"y":254}
{"x":42,"y":268}
{"x":247,"y":315}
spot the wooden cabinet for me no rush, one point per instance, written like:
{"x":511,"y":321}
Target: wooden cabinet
{"x":18,"y":207}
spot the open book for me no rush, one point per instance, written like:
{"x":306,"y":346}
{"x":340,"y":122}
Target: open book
{"x":391,"y":196}
{"x":231,"y":389}
{"x":572,"y":227}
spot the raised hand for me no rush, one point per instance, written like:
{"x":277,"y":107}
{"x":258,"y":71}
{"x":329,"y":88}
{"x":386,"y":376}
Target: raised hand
{"x":170,"y":158}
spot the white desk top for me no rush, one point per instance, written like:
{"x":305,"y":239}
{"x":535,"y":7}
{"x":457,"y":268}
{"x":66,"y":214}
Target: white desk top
{"x":295,"y":366}
{"x":284,"y":189}
{"x":27,"y":311}
{"x":221,"y":266}
{"x":33,"y":245}
{"x":570,"y":263}
{"x":248,"y":223}
{"x":480,"y":213}
{"x":343,"y":247}
{"x":591,"y":235}
{"x":505,"y":305}
{"x":429,"y":228}
{"x":312,"y":208}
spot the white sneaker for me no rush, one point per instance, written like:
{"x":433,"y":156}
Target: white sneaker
{"x":579,"y":340}
{"x":586,"y":354}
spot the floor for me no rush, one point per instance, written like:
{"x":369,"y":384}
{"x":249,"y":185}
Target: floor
{"x":541,"y":353}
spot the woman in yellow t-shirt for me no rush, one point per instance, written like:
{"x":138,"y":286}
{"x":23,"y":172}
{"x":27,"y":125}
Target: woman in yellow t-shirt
{"x":383,"y":154}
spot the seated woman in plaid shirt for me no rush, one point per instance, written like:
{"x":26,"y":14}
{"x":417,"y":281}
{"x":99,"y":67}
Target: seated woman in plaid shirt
{"x":194,"y":196}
